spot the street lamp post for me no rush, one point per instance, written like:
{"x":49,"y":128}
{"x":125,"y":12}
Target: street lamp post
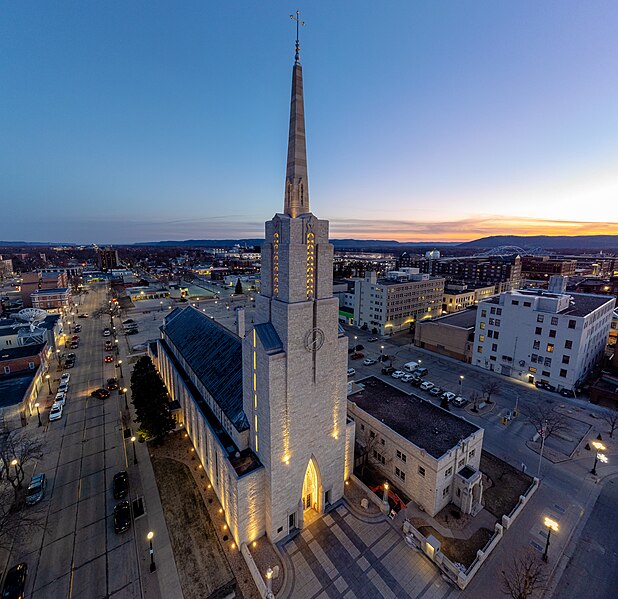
{"x":598,"y":456}
{"x":116,"y":345}
{"x":153,"y":566}
{"x":36,"y":405}
{"x":551,"y":525}
{"x":47,"y":378}
{"x":355,"y":339}
{"x":126,"y":405}
{"x":14,"y":463}
{"x":381,"y":353}
{"x":120,"y":366}
{"x":58,"y":355}
{"x":134,"y":453}
{"x":461,"y":378}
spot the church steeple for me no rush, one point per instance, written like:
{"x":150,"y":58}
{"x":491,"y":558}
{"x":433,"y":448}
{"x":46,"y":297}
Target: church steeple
{"x":296,"y":183}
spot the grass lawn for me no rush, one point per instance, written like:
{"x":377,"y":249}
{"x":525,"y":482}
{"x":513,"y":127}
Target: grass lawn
{"x":507,"y":484}
{"x":460,"y":550}
{"x":201,"y":563}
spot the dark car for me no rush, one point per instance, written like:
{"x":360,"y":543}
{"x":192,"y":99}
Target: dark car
{"x":417,"y":381}
{"x":121,"y":484}
{"x":75,"y":338}
{"x":359,"y":347}
{"x":112,"y":384}
{"x":108,"y":359}
{"x":132,"y":332}
{"x":69,"y":364}
{"x":74,"y":345}
{"x":78,"y":328}
{"x":122,"y":517}
{"x":357,"y":355}
{"x":388,"y":370}
{"x":101,"y":393}
{"x":83,"y":316}
{"x":128,"y":321}
{"x":372,"y":339}
{"x":36,"y":489}
{"x":71,"y":356}
{"x":15,"y":582}
{"x":567,"y":393}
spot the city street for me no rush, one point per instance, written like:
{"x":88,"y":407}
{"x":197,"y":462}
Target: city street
{"x":77,"y":553}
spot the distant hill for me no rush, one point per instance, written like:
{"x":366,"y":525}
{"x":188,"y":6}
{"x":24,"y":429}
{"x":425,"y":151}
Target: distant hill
{"x":550,"y":242}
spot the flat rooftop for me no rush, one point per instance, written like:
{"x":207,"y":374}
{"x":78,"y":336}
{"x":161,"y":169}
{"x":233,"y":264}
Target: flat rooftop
{"x":582,"y":304}
{"x":427,"y":426}
{"x":13,"y":387}
{"x":464,"y":319}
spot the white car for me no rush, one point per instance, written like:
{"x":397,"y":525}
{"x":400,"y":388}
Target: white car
{"x":65,"y":378}
{"x":351,"y":372}
{"x":63,"y":387}
{"x":369,"y":361}
{"x":459,"y":402}
{"x":406,"y":378}
{"x":398,"y":374}
{"x":56,"y":412}
{"x":61,"y":397}
{"x":426,"y":386}
{"x":448,"y":395}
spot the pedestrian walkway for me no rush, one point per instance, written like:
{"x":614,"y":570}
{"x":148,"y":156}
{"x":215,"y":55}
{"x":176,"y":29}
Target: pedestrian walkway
{"x":345,"y":556}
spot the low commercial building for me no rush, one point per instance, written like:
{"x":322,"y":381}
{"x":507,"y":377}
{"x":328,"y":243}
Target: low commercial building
{"x":51,"y":299}
{"x":459,"y":296}
{"x":555,"y":338}
{"x":432,"y":455}
{"x":144,"y":293}
{"x":15,"y":333}
{"x":451,"y":335}
{"x":396,"y":302}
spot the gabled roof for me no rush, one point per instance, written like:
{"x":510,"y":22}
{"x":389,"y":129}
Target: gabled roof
{"x":214,"y":354}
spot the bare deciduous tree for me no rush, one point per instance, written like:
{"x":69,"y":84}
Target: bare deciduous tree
{"x":475,"y":396}
{"x":524,"y":575}
{"x":17,"y":450}
{"x":546,"y":420}
{"x":491,"y":388}
{"x":16,"y":521}
{"x":611,"y":418}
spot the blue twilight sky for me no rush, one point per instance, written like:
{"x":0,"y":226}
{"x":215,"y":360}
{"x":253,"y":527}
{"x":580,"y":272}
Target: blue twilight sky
{"x":147,"y":120}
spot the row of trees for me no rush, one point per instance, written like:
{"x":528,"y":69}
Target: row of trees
{"x":151,"y":401}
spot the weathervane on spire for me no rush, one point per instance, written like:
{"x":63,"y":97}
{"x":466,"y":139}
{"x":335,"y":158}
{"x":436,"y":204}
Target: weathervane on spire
{"x":298,"y":23}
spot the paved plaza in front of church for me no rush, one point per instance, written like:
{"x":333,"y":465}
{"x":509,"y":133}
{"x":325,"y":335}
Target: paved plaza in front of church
{"x":349,"y":556}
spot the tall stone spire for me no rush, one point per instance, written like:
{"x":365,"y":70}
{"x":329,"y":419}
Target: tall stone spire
{"x":296,"y":183}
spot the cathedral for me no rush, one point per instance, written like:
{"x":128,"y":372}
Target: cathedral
{"x":266,"y":408}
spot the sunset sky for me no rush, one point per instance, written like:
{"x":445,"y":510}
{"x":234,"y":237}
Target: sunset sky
{"x":438,"y":121}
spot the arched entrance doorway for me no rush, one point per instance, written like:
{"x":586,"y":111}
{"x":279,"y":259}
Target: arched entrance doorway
{"x":311,"y":498}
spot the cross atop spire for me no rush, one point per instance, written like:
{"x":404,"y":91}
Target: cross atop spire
{"x":296,"y":184}
{"x":298,"y":23}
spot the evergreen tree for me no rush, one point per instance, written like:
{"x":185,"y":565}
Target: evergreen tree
{"x":238,"y":290}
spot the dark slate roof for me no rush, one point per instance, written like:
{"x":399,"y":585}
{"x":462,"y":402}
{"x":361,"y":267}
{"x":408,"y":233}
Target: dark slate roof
{"x":215,"y":356}
{"x":50,"y":291}
{"x":269,"y":338}
{"x":427,"y":426}
{"x":14,"y":387}
{"x":23,"y":351}
{"x":171,"y":315}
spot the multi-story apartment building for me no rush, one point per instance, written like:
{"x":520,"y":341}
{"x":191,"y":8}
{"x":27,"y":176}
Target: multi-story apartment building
{"x":396,"y":302}
{"x":35,"y":281}
{"x":51,"y":299}
{"x":6,"y":267}
{"x":502,"y":271}
{"x":540,"y":268}
{"x":458,"y":296}
{"x":108,"y":258}
{"x":555,"y":338}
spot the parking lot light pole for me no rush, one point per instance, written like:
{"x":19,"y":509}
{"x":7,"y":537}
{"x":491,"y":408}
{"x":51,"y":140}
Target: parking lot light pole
{"x":134,"y":453}
{"x":126,"y":405}
{"x":461,"y":378}
{"x":47,"y":378}
{"x":116,"y":344}
{"x":36,"y":405}
{"x":153,"y":566}
{"x":120,"y":366}
{"x":598,"y":446}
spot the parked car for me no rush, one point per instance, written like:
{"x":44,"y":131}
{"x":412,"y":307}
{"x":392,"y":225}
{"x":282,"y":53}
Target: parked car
{"x":120,"y":484}
{"x":69,"y":363}
{"x":122,"y":517}
{"x":77,"y":328}
{"x":60,"y":398}
{"x":357,"y":355}
{"x":421,"y":371}
{"x":387,"y":370}
{"x":71,"y":356}
{"x":56,"y":412}
{"x":448,"y":396}
{"x":351,"y":372}
{"x":426,"y":385}
{"x":14,"y":582}
{"x":108,"y":346}
{"x":407,"y":377}
{"x":100,"y":393}
{"x":108,"y":359}
{"x":459,"y":402}
{"x":359,"y":347}
{"x":417,"y":381}
{"x":372,"y":339}
{"x":397,"y":374}
{"x":369,"y":361}
{"x":36,"y":489}
{"x":567,"y":393}
{"x":74,"y":345}
{"x":65,"y":378}
{"x":435,"y":391}
{"x":132,"y":332}
{"x":128,"y":321}
{"x":75,"y":338}
{"x":112,"y":384}
{"x":63,"y":387}
{"x":83,"y":315}
{"x":546,"y":386}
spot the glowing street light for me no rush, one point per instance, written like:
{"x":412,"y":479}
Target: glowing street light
{"x":461,"y":378}
{"x":153,"y":566}
{"x":126,"y":405}
{"x":47,"y":377}
{"x":120,"y":366}
{"x":598,"y":456}
{"x":551,"y":525}
{"x":134,"y":453}
{"x":36,"y":405}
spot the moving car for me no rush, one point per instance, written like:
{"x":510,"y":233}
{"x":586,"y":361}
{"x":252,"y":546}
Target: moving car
{"x":122,"y":517}
{"x":397,"y":374}
{"x":426,"y":386}
{"x":15,"y":582}
{"x":100,"y":393}
{"x":61,"y":397}
{"x":120,"y":484}
{"x":108,"y":359}
{"x":106,"y":332}
{"x":108,"y":346}
{"x":56,"y":412}
{"x":112,"y":384}
{"x":351,"y":372}
{"x":372,"y":339}
{"x":369,"y":361}
{"x":36,"y":489}
{"x":459,"y":402}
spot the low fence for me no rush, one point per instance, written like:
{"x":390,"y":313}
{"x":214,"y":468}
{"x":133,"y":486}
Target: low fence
{"x":255,"y":573}
{"x":370,"y":494}
{"x":507,"y":520}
